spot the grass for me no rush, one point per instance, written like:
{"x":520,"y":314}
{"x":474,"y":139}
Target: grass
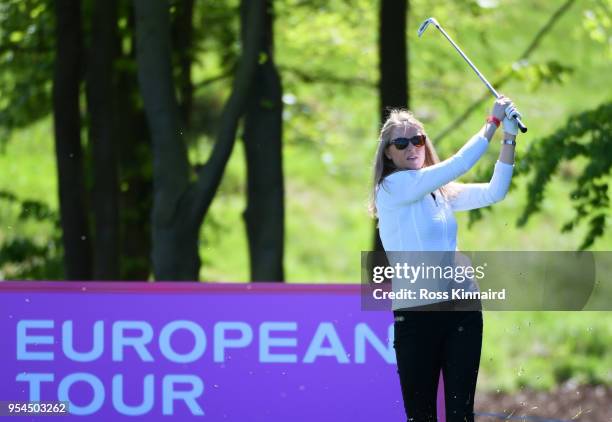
{"x":544,"y":349}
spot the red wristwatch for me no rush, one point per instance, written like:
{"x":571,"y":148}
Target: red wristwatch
{"x":494,"y":120}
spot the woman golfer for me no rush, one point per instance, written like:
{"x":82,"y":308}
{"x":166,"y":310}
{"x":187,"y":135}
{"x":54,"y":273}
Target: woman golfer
{"x":414,"y":198}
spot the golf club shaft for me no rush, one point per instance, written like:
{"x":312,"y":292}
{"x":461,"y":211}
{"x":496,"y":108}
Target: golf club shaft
{"x":522,"y":127}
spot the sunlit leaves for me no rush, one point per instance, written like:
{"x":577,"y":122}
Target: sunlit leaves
{"x":26,"y":55}
{"x":588,"y":135}
{"x":598,"y":23}
{"x":537,"y":74}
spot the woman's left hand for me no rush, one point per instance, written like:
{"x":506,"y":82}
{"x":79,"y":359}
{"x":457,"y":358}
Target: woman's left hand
{"x":510,"y":123}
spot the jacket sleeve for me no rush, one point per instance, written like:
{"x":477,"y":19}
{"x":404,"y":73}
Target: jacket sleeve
{"x":477,"y":195}
{"x":411,"y":185}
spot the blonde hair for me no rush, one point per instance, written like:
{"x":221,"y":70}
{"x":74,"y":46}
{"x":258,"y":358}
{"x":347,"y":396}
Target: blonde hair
{"x":383,"y":166}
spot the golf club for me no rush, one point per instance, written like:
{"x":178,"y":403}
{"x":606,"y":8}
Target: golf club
{"x":435,"y":23}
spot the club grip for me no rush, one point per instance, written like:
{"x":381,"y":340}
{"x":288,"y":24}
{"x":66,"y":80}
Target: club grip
{"x":521,"y":126}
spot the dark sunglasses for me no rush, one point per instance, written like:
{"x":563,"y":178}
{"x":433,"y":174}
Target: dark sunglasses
{"x":402,"y":143}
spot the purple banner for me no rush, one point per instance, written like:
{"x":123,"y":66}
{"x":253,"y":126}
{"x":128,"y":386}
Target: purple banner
{"x":199,"y":351}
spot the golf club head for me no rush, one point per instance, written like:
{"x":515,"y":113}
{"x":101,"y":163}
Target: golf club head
{"x":425,"y":24}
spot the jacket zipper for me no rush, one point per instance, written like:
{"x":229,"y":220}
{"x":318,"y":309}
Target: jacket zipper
{"x":443,"y":220}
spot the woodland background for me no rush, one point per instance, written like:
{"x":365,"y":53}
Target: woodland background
{"x":233,"y":141}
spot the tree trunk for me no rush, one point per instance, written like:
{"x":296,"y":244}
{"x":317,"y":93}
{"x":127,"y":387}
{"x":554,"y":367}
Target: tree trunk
{"x":393,"y":65}
{"x":135,"y":160}
{"x":264,"y":215}
{"x":69,"y":155}
{"x":179,"y":205}
{"x":393,"y":51}
{"x":101,"y":101}
{"x":136,"y":197}
{"x":175,"y":256}
{"x":182,"y":36}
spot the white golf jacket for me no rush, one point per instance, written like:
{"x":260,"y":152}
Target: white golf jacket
{"x":414,"y":216}
{"x":411,"y":219}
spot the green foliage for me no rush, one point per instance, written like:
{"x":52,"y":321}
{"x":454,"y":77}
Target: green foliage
{"x":533,"y":349}
{"x":26,"y":62}
{"x":216,"y":28}
{"x":23,"y":257}
{"x":217,"y":25}
{"x":537,"y":74}
{"x":598,"y":22}
{"x":585,"y":135}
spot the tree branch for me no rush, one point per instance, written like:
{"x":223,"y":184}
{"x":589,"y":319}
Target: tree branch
{"x":323,"y":78}
{"x":327,"y":78}
{"x":170,"y":164}
{"x":503,"y":79}
{"x":210,"y":175}
{"x":208,"y":81}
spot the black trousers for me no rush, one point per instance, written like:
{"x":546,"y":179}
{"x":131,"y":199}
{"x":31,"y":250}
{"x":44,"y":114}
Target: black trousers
{"x":427,"y":341}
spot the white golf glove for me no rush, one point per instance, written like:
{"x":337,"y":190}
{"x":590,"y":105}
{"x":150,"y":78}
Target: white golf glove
{"x":510,"y":123}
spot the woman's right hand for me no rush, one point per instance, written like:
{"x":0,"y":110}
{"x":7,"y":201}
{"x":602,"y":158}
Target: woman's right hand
{"x":499,"y":107}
